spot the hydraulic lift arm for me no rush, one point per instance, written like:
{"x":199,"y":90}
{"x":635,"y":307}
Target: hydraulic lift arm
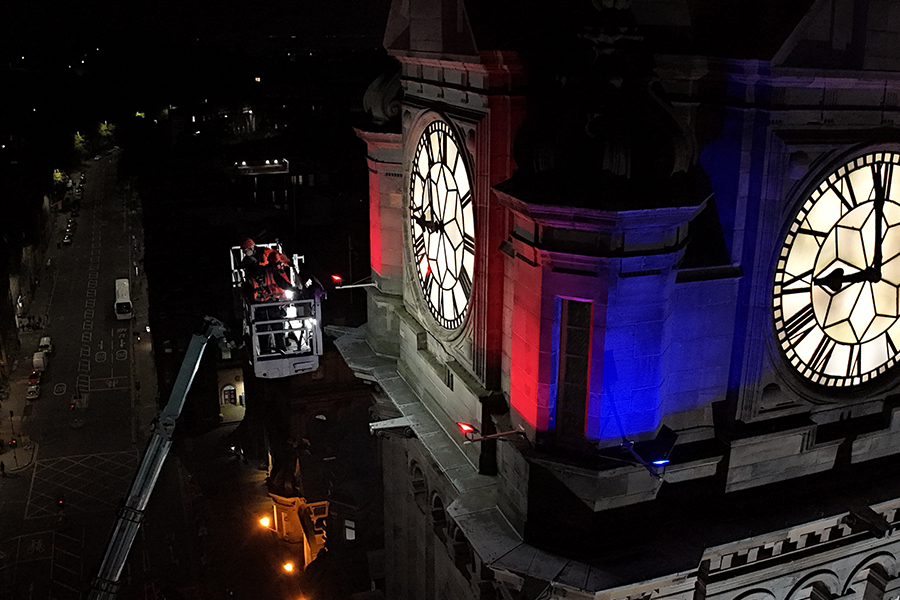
{"x":106,"y":585}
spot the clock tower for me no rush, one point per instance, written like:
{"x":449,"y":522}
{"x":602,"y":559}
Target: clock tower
{"x":636,"y":321}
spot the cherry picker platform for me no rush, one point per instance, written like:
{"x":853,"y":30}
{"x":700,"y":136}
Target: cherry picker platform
{"x":284,"y":334}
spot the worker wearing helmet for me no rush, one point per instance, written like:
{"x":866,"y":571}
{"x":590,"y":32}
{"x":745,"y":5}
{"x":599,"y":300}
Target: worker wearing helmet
{"x":261,"y":256}
{"x":254,"y":256}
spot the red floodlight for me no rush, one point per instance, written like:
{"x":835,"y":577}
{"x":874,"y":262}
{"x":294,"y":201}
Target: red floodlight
{"x":337,"y":279}
{"x":465,"y":428}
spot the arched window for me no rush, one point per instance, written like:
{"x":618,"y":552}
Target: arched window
{"x":418,"y":487}
{"x":439,"y":519}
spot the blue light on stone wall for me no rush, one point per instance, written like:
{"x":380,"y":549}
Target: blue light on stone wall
{"x":554,"y":363}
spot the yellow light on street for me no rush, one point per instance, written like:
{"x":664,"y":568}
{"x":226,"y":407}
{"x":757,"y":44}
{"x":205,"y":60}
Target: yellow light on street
{"x":288,"y":567}
{"x":264,"y":521}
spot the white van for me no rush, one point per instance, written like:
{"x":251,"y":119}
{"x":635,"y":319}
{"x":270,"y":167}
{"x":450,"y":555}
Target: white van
{"x":39,"y":361}
{"x":123,"y":300}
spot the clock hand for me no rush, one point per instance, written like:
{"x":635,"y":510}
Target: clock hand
{"x":836,"y":279}
{"x":427,"y":224}
{"x":879,"y":217}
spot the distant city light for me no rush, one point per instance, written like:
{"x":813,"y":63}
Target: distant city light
{"x":256,"y":79}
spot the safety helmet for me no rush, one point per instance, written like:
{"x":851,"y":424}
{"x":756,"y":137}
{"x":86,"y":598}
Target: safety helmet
{"x":247,"y":243}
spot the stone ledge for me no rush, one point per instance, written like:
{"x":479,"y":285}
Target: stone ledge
{"x":877,"y":444}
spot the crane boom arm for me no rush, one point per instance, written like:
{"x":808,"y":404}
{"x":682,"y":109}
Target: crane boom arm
{"x":106,"y":585}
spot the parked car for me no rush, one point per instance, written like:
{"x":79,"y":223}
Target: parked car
{"x":46,"y":345}
{"x":67,"y":239}
{"x":35,"y":377}
{"x":34,"y":392}
{"x":97,"y":157}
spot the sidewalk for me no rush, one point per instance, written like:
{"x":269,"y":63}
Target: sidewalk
{"x":16,"y":408}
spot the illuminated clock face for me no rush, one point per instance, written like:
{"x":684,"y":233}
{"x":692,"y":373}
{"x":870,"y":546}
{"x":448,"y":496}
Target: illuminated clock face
{"x":837,"y":283}
{"x":442,"y":224}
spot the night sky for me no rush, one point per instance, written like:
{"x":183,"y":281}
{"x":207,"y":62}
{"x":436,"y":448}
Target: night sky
{"x":147,"y":50}
{"x":47,"y":26}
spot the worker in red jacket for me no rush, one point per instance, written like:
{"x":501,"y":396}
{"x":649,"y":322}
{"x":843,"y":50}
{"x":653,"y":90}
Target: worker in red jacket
{"x":253,"y":256}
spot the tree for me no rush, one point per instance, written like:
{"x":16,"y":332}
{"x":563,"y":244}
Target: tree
{"x":107,"y":129}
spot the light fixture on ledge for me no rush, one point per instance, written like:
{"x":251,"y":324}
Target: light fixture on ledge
{"x":473,"y":435}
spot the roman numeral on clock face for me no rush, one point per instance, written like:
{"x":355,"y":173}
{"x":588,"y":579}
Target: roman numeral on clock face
{"x":822,"y":354}
{"x":881,"y":176}
{"x":469,"y":243}
{"x":419,"y":246}
{"x":466,"y":282}
{"x":794,"y":279}
{"x":847,"y":196}
{"x":800,"y":323}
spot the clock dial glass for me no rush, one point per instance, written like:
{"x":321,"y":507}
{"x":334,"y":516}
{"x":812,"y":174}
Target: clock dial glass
{"x":837,"y":282}
{"x":442,"y":224}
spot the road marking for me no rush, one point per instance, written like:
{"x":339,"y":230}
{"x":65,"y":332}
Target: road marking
{"x":103,"y":384}
{"x":90,"y":302}
{"x":85,"y":351}
{"x":92,"y":284}
{"x":86,"y":336}
{"x":59,"y":389}
{"x":121,"y":354}
{"x":84,"y":365}
{"x":100,"y":356}
{"x":87,"y":325}
{"x":89,"y":313}
{"x":91,"y":293}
